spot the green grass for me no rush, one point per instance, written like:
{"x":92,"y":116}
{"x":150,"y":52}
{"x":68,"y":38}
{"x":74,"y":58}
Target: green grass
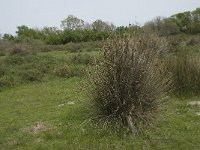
{"x":63,"y":127}
{"x":66,"y":54}
{"x":38,"y":115}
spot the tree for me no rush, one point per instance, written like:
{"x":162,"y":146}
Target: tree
{"x":24,"y":32}
{"x":163,"y":26}
{"x":8,"y":37}
{"x":182,"y":20}
{"x":196,"y":15}
{"x":101,"y":26}
{"x":72,"y":23}
{"x":51,"y":35}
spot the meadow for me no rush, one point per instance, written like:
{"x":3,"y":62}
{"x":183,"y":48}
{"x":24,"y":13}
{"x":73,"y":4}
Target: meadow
{"x":44,"y":106}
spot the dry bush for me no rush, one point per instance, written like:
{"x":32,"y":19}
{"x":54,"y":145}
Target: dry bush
{"x":20,"y":49}
{"x":128,"y":85}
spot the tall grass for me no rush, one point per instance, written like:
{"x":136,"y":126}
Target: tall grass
{"x":185,"y":68}
{"x":128,"y":85}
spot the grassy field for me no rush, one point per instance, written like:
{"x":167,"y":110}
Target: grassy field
{"x":51,"y":115}
{"x":50,"y":112}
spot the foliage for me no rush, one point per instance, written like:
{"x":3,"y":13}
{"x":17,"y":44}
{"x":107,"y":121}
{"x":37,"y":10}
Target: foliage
{"x":82,"y":36}
{"x":81,"y":59}
{"x":61,"y":71}
{"x":101,"y":26}
{"x":31,"y":75}
{"x":21,"y":67}
{"x":128,"y":85}
{"x":188,"y":22}
{"x":8,"y":37}
{"x":54,"y":36}
{"x":161,"y":26}
{"x":72,"y":23}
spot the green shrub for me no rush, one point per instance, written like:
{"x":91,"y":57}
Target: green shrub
{"x":23,"y":68}
{"x":7,"y":81}
{"x":81,"y":58}
{"x":77,"y":71}
{"x":128,"y":85}
{"x":61,"y":71}
{"x":14,"y":60}
{"x":21,"y":58}
{"x":2,"y":71}
{"x":18,"y":49}
{"x":69,"y":71}
{"x":2,"y":53}
{"x":31,"y":75}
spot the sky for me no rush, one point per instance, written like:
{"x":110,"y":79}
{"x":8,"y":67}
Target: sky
{"x":40,"y":13}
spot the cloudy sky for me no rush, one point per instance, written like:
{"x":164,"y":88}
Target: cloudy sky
{"x":40,"y":13}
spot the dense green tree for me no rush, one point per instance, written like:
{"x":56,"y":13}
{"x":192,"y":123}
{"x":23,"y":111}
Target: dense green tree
{"x":8,"y":37}
{"x":188,"y":22}
{"x":51,"y":35}
{"x":101,"y":26}
{"x":72,"y":23}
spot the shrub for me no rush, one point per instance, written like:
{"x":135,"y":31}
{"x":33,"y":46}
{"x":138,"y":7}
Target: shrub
{"x":2,"y":71}
{"x":77,"y":71}
{"x":18,"y":49}
{"x":128,"y":85}
{"x":81,"y":59}
{"x":31,"y":75}
{"x":14,"y":59}
{"x":2,"y":53}
{"x":61,"y":71}
{"x":193,"y":41}
{"x":7,"y":80}
{"x":21,"y":58}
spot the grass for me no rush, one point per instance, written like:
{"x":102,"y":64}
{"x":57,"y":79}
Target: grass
{"x":41,"y":115}
{"x":33,"y":117}
{"x":185,"y":69}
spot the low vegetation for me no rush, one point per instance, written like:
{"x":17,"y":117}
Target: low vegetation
{"x":20,"y":66}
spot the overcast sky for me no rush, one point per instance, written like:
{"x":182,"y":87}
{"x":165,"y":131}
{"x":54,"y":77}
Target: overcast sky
{"x":40,"y":13}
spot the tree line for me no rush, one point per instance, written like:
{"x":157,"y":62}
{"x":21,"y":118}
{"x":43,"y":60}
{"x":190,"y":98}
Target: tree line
{"x":74,"y":29}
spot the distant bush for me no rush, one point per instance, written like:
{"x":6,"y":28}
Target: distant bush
{"x":2,"y":71}
{"x":7,"y":81}
{"x":2,"y":53}
{"x":20,"y":58}
{"x":81,"y":58}
{"x":193,"y":41}
{"x":77,"y":71}
{"x":127,"y":86}
{"x":67,"y":72}
{"x":16,"y":50}
{"x":62,"y":71}
{"x":31,"y":75}
{"x":27,"y":67}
